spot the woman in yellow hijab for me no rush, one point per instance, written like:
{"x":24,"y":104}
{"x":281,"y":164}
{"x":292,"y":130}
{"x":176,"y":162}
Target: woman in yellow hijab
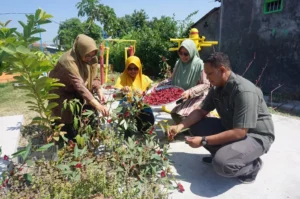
{"x":132,"y":77}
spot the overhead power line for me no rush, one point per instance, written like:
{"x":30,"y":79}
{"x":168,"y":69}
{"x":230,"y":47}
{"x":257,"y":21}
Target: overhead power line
{"x":15,"y":13}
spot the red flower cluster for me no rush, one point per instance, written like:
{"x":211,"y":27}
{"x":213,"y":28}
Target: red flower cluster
{"x":163,"y":174}
{"x":71,"y":143}
{"x":180,"y":187}
{"x":151,"y":130}
{"x":109,"y":120}
{"x":78,"y":166}
{"x":164,"y":96}
{"x":158,"y":152}
{"x":126,"y":114}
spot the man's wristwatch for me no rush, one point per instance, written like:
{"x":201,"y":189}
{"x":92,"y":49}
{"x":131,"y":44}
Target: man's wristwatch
{"x":204,"y":141}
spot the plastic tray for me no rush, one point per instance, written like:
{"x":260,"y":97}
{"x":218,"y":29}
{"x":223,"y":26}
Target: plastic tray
{"x":162,"y":88}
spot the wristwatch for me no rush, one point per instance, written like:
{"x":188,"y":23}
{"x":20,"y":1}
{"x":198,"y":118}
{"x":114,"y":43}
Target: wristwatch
{"x":204,"y":141}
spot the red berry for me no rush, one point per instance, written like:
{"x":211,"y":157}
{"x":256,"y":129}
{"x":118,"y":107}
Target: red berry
{"x":180,"y":187}
{"x":78,"y":166}
{"x":163,"y":174}
{"x":127,"y":114}
{"x":5,"y":158}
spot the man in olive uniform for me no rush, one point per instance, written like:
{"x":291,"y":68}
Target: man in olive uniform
{"x":245,"y":129}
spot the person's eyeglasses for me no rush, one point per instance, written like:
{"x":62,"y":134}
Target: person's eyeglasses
{"x":135,"y":68}
{"x":183,"y":54}
{"x":90,"y":56}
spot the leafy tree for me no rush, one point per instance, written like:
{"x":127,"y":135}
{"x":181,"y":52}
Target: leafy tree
{"x":6,"y":32}
{"x":152,"y":42}
{"x":134,"y":22}
{"x":69,"y":29}
{"x":88,"y":8}
{"x":98,"y":12}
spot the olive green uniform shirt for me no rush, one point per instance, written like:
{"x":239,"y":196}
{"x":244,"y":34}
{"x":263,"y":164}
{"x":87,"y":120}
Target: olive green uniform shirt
{"x":240,"y":104}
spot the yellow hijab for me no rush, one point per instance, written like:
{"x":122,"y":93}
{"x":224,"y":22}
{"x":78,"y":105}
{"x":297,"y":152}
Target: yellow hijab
{"x":141,"y":82}
{"x":72,"y":59}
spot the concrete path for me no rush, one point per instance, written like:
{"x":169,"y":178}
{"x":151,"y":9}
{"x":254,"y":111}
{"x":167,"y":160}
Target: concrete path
{"x":9,"y":136}
{"x":279,"y":178}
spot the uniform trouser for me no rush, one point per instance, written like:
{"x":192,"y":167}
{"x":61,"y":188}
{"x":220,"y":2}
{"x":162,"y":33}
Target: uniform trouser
{"x":234,"y":159}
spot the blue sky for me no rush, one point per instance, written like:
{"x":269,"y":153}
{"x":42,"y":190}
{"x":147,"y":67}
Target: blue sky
{"x":65,"y":9}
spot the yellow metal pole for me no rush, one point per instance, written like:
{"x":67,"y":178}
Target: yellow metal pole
{"x":126,"y":54}
{"x":106,"y":68}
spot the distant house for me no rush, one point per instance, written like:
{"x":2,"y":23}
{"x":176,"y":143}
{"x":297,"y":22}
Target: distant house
{"x":270,"y":29}
{"x":208,"y":26}
{"x":52,"y":48}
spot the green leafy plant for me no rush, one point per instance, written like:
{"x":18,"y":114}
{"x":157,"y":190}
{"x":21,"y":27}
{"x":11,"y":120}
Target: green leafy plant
{"x":30,"y":69}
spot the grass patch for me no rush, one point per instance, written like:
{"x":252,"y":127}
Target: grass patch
{"x":12,"y":102}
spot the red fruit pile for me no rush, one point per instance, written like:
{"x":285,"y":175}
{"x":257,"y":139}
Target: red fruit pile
{"x":164,"y":96}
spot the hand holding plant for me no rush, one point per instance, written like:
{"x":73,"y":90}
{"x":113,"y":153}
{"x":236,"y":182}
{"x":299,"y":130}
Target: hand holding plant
{"x":172,"y":131}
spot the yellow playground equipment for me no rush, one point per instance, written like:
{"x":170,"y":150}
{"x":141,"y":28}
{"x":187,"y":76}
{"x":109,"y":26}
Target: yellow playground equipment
{"x":199,"y":41}
{"x":103,"y":48}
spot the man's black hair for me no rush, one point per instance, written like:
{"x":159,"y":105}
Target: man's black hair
{"x":218,"y":59}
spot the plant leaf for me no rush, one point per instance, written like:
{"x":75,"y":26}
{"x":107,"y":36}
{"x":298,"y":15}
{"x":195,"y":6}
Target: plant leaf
{"x":80,"y":140}
{"x":22,"y":50}
{"x":29,"y":163}
{"x":52,"y":96}
{"x":38,"y":30}
{"x":63,"y":167}
{"x":28,"y":177}
{"x":45,"y":147}
{"x":52,"y":105}
{"x":76,"y":151}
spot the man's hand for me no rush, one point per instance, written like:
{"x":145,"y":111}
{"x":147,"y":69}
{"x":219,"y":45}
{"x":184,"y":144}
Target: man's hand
{"x":172,"y":131}
{"x":185,"y":95}
{"x":194,"y":142}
